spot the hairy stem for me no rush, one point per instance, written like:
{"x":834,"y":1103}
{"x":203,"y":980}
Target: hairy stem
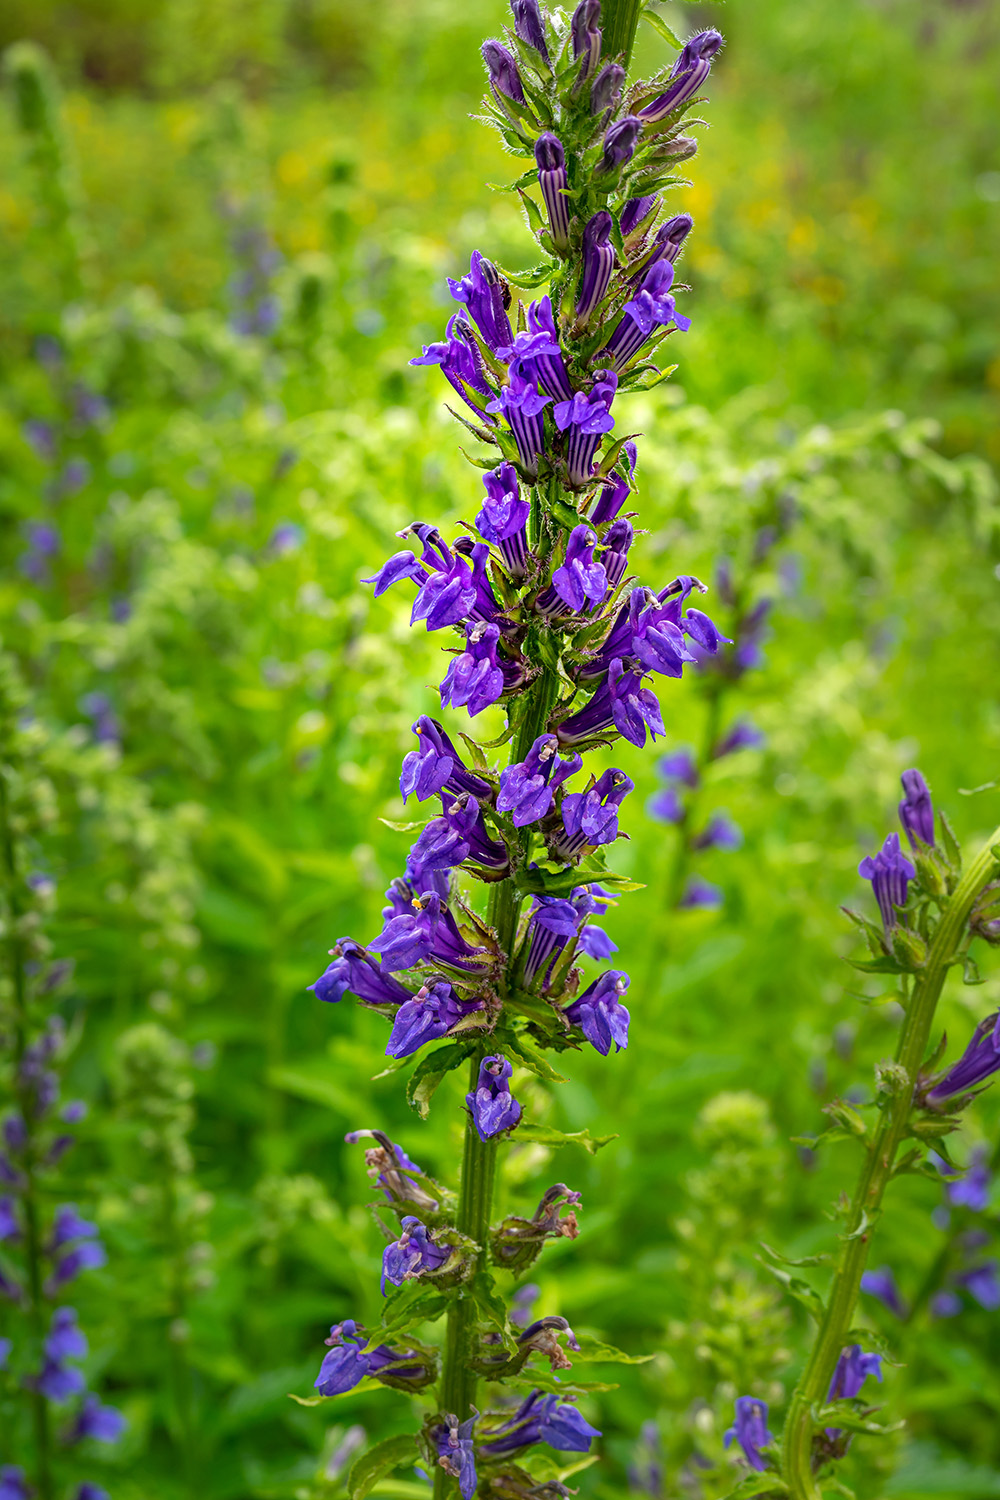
{"x":619,"y":19}
{"x":833,"y":1331}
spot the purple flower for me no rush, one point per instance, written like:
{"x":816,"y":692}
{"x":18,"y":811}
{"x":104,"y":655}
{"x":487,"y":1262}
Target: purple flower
{"x":667,"y":244}
{"x":41,"y":436}
{"x":43,"y":544}
{"x":586,"y":417}
{"x":744,"y":735}
{"x":719,"y":833}
{"x":579,"y":581}
{"x":750,"y":1431}
{"x":59,"y":1382}
{"x":636,"y":212}
{"x":665,"y":806}
{"x":355,"y":971}
{"x":478,"y":676}
{"x":6,"y":1346}
{"x":890,"y":873}
{"x":427,"y":931}
{"x":881,"y":1283}
{"x":504,"y":77}
{"x":610,"y":500}
{"x":481,"y":291}
{"x":349,"y":1362}
{"x":98,"y":707}
{"x":527,"y":789}
{"x":13,"y":1484}
{"x":429,"y":1015}
{"x":619,"y":145}
{"x":504,"y":517}
{"x":528,"y":25}
{"x":68,"y":1225}
{"x":65,"y":1339}
{"x":89,"y":1256}
{"x":103,"y":1423}
{"x":554,"y":922}
{"x":614,"y":553}
{"x":413,"y":1254}
{"x":701,"y":895}
{"x":598,"y":264}
{"x":600,"y":1014}
{"x":88,"y":1491}
{"x":586,"y":33}
{"x":493,"y":1106}
{"x":436,"y":766}
{"x":10,"y":1229}
{"x":456,"y":1455}
{"x":522,"y":405}
{"x":552,"y":181}
{"x":606,"y":88}
{"x":983,"y":1283}
{"x":522,"y":1304}
{"x":687,"y":76}
{"x":461,"y":364}
{"x":972,"y":1190}
{"x":980,"y":1061}
{"x":916,"y":811}
{"x":946,"y":1305}
{"x":622,"y":701}
{"x":286,"y":537}
{"x":591,"y":816}
{"x":853,"y":1369}
{"x":542,"y":1419}
{"x":459,"y":834}
{"x":652,"y":307}
{"x":539,"y":348}
{"x":680,"y":765}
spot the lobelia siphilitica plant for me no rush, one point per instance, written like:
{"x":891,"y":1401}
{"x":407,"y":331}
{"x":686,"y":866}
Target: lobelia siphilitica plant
{"x":932,"y":908}
{"x":45,"y":1244}
{"x":551,"y":627}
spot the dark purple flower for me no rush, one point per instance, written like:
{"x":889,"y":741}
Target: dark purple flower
{"x":413,"y":1254}
{"x":462,"y":365}
{"x":503,"y":518}
{"x":585,"y":29}
{"x":611,"y":499}
{"x":427,"y":931}
{"x":529,"y":26}
{"x":636,"y":212}
{"x":88,"y":1256}
{"x":15,"y":1132}
{"x":459,"y":834}
{"x":527,"y":789}
{"x":43,"y":544}
{"x":10,"y":1229}
{"x":522,"y":405}
{"x":456,"y":1454}
{"x":916,"y":811}
{"x":504,"y":77}
{"x":667,"y":244}
{"x":591,"y":816}
{"x":481,"y":291}
{"x":890,"y":873}
{"x":983,"y":1284}
{"x":103,"y":1423}
{"x":436,"y":766}
{"x":6,"y":1348}
{"x":600,"y":1014}
{"x":980,"y":1061}
{"x":59,"y":1382}
{"x":972,"y":1189}
{"x":68,"y":1225}
{"x":744,"y":735}
{"x":65,"y":1339}
{"x":665,"y":806}
{"x":579,"y":581}
{"x":13,"y":1484}
{"x":853,"y":1369}
{"x":719,"y":833}
{"x":355,"y":971}
{"x":701,"y":895}
{"x":349,"y":1362}
{"x":687,"y":76}
{"x":99,"y":708}
{"x":652,"y":307}
{"x":606,"y":88}
{"x":554,"y":922}
{"x":542,"y":1419}
{"x":536,"y":352}
{"x":446,"y":597}
{"x":74,"y":476}
{"x":622,"y":701}
{"x":478,"y":676}
{"x":429,"y":1015}
{"x":88,"y":1491}
{"x":881,"y":1283}
{"x":586,"y":417}
{"x":750,"y":1431}
{"x":598,"y":264}
{"x":493,"y":1106}
{"x":619,"y":145}
{"x":552,"y":181}
{"x":615,"y":551}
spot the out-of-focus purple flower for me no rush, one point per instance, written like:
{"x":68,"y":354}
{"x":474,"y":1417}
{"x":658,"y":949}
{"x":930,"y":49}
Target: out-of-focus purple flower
{"x":680,"y":765}
{"x":619,"y":145}
{"x":99,"y":708}
{"x":916,"y":811}
{"x":522,"y":404}
{"x":504,"y":77}
{"x":413,"y":1254}
{"x":652,"y":307}
{"x":687,"y":76}
{"x":7,"y":1345}
{"x":15,"y":1132}
{"x":529,"y":26}
{"x":436,"y":766}
{"x":105,"y":1424}
{"x":43,"y":545}
{"x":542,"y":1419}
{"x":881,"y":1283}
{"x":972,"y":1189}
{"x":355,"y":971}
{"x":606,"y":87}
{"x":74,"y":1112}
{"x":503,"y":518}
{"x":41,"y":436}
{"x":853,"y":1369}
{"x":59,"y":1382}
{"x":701,"y":895}
{"x":13,"y":1483}
{"x":980,"y":1061}
{"x":719,"y":833}
{"x":522,"y":1304}
{"x":456,"y":1454}
{"x":586,"y":417}
{"x":88,"y":1256}
{"x":591,"y":816}
{"x":598,"y":264}
{"x":600,"y":1014}
{"x":527,"y":789}
{"x":429,"y":1015}
{"x":890,"y":873}
{"x":744,"y":735}
{"x":665,"y":806}
{"x":65,"y":1339}
{"x":750,"y":1431}
{"x":478,"y":676}
{"x":73,"y":476}
{"x":88,"y":1491}
{"x":287,"y":537}
{"x":983,"y":1283}
{"x":552,"y":180}
{"x":493,"y":1106}
{"x":89,"y":408}
{"x":10,"y":1229}
{"x":68,"y":1225}
{"x":481,"y":291}
{"x":461,"y":363}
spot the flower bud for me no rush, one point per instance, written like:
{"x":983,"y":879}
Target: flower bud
{"x":606,"y":87}
{"x":504,"y":77}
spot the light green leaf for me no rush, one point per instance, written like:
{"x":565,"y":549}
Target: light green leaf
{"x":660,"y":26}
{"x":592,"y":1350}
{"x":385,"y":1456}
{"x":547,"y":1135}
{"x":430,"y":1071}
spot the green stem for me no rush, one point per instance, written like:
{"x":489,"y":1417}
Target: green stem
{"x":832,"y":1334}
{"x":619,"y":19}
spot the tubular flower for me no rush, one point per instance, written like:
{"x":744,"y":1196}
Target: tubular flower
{"x":389,"y":1166}
{"x":459,"y":834}
{"x":535,"y":353}
{"x":619,"y":145}
{"x":105,"y":1424}
{"x":979,"y":1062}
{"x":456,"y":1455}
{"x":431,"y":1014}
{"x":436,"y":766}
{"x":427,"y":931}
{"x":853,"y":1369}
{"x":527,"y":790}
{"x":349,"y":1361}
{"x":591,"y":816}
{"x":522,"y":405}
{"x":504,"y":77}
{"x":598,"y":264}
{"x":586,"y":34}
{"x":916,"y":811}
{"x":973,"y":1189}
{"x":552,"y":181}
{"x":620,"y":701}
{"x":881,"y":1284}
{"x":554,"y":922}
{"x":687,"y":76}
{"x":482,"y":293}
{"x":890,"y":873}
{"x":493,"y":1106}
{"x":750,"y":1431}
{"x":579,"y":582}
{"x":529,"y":26}
{"x":585,"y":419}
{"x":606,"y":88}
{"x":412,"y":1255}
{"x":637,"y":212}
{"x":354,"y":971}
{"x":600,"y":1014}
{"x":668,"y":243}
{"x":478,"y":676}
{"x":503,"y":518}
{"x":652,"y":307}
{"x":542,"y":1419}
{"x":461,"y":364}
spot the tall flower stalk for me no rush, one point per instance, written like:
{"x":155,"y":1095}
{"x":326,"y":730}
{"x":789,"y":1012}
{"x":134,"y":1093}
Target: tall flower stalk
{"x":546,"y":622}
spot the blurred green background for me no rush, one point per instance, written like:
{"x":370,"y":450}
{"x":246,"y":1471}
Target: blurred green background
{"x":224,"y":230}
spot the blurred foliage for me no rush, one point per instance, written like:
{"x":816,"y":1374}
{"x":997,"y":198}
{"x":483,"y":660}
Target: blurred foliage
{"x":220,"y":247}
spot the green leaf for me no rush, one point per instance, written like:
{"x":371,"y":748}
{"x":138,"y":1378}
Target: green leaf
{"x":363,"y":1386}
{"x":885,"y":965}
{"x":757,"y":1484}
{"x":799,"y":1289}
{"x":405,"y":827}
{"x":786,"y":1260}
{"x":413,"y":1304}
{"x":593,"y":1351}
{"x":492,"y":1307}
{"x":529,"y":279}
{"x":531,"y":1056}
{"x":385,"y":1456}
{"x":430,"y":1071}
{"x":547,"y":1135}
{"x":660,"y":26}
{"x":850,"y":1415}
